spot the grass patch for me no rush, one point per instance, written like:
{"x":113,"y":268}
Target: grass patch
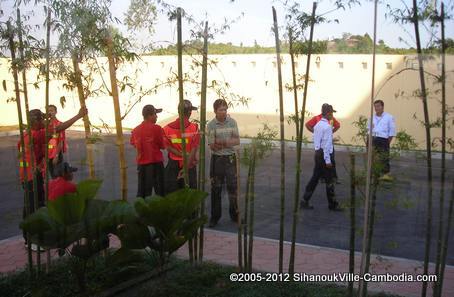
{"x":213,"y":280}
{"x":61,"y":282}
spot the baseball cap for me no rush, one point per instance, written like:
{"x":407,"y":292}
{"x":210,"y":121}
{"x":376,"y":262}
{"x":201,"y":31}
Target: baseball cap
{"x":187,"y":106}
{"x":64,"y":168}
{"x":327,"y":108}
{"x":150,"y":110}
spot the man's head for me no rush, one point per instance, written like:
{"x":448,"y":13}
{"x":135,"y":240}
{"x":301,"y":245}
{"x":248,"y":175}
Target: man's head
{"x":36,"y":119}
{"x":327,"y":111}
{"x":150,"y":113}
{"x":187,"y":108}
{"x":220,"y":107}
{"x":379,"y":106}
{"x":65,"y":170}
{"x":52,"y":110}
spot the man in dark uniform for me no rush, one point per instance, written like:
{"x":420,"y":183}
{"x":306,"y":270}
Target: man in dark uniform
{"x":323,"y":145}
{"x":148,"y":139}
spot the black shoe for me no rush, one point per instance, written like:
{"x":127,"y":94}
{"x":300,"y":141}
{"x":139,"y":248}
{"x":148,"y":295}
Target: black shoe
{"x":306,"y":205}
{"x":335,"y":207}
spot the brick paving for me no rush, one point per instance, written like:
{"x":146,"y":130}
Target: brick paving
{"x":222,"y":247}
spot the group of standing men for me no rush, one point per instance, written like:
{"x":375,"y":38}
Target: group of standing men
{"x":222,"y":136}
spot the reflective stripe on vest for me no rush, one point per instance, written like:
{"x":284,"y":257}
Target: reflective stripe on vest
{"x":179,"y":140}
{"x":21,"y":164}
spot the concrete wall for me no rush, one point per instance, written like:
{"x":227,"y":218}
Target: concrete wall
{"x":341,"y":80}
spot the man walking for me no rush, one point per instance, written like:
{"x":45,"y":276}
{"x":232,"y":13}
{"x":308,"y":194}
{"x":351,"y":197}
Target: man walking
{"x":223,"y":136}
{"x":335,"y":125}
{"x":148,"y":139}
{"x":383,"y":131}
{"x":173,"y":139}
{"x":323,"y":145}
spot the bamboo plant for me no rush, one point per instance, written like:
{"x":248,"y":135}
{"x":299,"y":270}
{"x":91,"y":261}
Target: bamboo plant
{"x":282,"y":138}
{"x":371,"y":181}
{"x":119,"y":129}
{"x":299,"y":142}
{"x":202,"y":153}
{"x":415,"y":21}
{"x":181,"y":113}
{"x":22,"y":160}
{"x":440,"y":242}
{"x":29,"y":133}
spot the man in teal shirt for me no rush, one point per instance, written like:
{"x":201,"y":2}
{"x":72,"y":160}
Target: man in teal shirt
{"x":223,"y":136}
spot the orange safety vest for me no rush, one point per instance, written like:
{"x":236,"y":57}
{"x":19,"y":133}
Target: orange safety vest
{"x":175,"y":138}
{"x":55,"y":140}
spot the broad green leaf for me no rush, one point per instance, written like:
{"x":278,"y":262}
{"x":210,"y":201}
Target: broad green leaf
{"x":87,"y":189}
{"x":38,"y":222}
{"x":118,"y":212}
{"x":134,"y":236}
{"x":68,"y":209}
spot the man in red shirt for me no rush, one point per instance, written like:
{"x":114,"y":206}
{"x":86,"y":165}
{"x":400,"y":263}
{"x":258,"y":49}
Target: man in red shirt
{"x":57,"y":143}
{"x":62,"y":184}
{"x":148,"y":139}
{"x":173,"y":143}
{"x":334,"y":123}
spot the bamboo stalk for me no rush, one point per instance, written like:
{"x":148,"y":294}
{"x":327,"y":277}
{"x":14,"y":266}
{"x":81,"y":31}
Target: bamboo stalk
{"x":351,"y":266}
{"x":203,"y":97}
{"x":446,"y":240}
{"x":365,"y":257}
{"x":428,"y":147}
{"x":22,"y":137}
{"x":440,"y":248}
{"x":46,"y":123}
{"x":181,"y":114}
{"x":299,"y":142}
{"x":118,"y":125}
{"x":29,"y":133}
{"x":246,"y":219}
{"x":281,"y":120}
{"x":240,"y":226}
{"x":295,"y":91}
{"x":252,"y":208}
{"x":80,"y":93}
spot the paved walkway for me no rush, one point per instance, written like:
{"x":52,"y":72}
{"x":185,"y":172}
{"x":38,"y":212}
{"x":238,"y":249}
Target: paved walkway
{"x":221,"y":247}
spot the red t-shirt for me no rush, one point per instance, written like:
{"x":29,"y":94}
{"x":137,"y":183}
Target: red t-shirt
{"x":148,"y":139}
{"x":312,"y":122}
{"x":39,"y":144}
{"x":59,"y":187}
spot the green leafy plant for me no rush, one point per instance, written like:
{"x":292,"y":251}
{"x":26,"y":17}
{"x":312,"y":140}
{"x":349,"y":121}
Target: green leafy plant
{"x":73,"y":222}
{"x":161,"y":224}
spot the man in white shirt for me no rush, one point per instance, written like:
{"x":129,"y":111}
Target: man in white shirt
{"x":323,"y":145}
{"x":383,"y":131}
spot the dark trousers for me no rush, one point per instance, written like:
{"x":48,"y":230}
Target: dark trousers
{"x":28,"y":187}
{"x":52,"y":168}
{"x":320,"y":170}
{"x":381,"y":147}
{"x":223,"y":169}
{"x":150,"y":176}
{"x":170,"y":176}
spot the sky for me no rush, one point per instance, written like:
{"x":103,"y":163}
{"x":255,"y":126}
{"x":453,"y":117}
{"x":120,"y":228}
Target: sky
{"x":256,"y":20}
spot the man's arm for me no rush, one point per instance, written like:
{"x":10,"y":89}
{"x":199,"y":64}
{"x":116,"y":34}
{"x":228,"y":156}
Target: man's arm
{"x":328,"y":146}
{"x":309,"y":126}
{"x":65,"y":125}
{"x":392,"y":129}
